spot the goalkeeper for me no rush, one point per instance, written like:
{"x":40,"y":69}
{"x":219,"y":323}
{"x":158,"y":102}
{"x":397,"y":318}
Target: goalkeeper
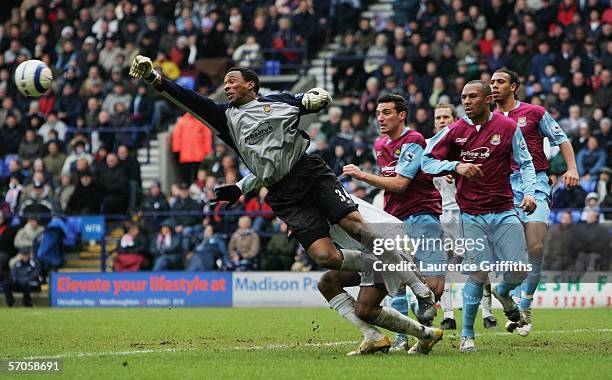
{"x":303,"y":191}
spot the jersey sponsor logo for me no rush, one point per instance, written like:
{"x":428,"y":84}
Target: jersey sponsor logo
{"x":495,"y":139}
{"x":479,"y":153}
{"x":522,"y":121}
{"x":388,"y":170}
{"x":257,"y":135}
{"x":460,"y":140}
{"x":267,"y":108}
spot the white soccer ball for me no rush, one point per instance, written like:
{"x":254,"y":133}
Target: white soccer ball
{"x":33,"y":78}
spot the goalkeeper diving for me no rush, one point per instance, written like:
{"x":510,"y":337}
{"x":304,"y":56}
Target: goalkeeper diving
{"x":303,"y":190}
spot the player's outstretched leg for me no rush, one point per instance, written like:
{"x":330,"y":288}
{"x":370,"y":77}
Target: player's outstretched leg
{"x":535,"y":233}
{"x":368,"y":309}
{"x":331,"y":286}
{"x":488,"y":319}
{"x":355,"y":226}
{"x":472,"y":294}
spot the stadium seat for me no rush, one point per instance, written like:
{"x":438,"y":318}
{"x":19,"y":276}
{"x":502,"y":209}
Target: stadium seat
{"x":271,"y":67}
{"x":576,"y":216}
{"x":555,"y":217}
{"x":187,"y":81}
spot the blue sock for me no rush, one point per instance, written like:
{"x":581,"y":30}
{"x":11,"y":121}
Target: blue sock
{"x":516,"y":292}
{"x":400,"y":303}
{"x":530,"y":285}
{"x":504,"y":288}
{"x":472,"y":294}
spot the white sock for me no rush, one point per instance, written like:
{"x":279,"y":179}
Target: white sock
{"x":352,"y":261}
{"x":356,"y":261}
{"x":485,"y":303}
{"x":344,"y":304}
{"x":395,"y":321}
{"x":446,"y":301}
{"x":418,"y":287}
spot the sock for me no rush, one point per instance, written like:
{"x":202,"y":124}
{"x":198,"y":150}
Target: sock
{"x":485,"y":304}
{"x":446,"y":301}
{"x":530,"y":284}
{"x":393,"y":320}
{"x":472,"y":294}
{"x":504,"y":288}
{"x":516,"y":292}
{"x":416,"y":285}
{"x":412,"y":279}
{"x":352,"y":261}
{"x":399,"y":302}
{"x":344,"y":304}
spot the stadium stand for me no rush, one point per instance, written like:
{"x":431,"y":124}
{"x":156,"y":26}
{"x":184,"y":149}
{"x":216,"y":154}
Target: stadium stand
{"x":89,"y":145}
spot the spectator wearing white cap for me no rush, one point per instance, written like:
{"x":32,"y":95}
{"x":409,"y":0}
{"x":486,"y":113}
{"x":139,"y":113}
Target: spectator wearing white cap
{"x":591,"y":204}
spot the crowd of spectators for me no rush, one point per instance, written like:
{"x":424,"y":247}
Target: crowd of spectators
{"x":73,"y":150}
{"x":425,"y":51}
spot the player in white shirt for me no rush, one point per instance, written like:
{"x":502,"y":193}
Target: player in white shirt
{"x":444,"y":115}
{"x":365,"y":312}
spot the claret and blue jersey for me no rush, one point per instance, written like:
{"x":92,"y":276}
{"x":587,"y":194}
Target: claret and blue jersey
{"x":486,"y":203}
{"x":494,"y":145}
{"x":535,"y":124}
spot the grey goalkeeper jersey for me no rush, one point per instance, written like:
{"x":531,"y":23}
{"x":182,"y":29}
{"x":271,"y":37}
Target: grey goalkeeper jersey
{"x":264,"y":132}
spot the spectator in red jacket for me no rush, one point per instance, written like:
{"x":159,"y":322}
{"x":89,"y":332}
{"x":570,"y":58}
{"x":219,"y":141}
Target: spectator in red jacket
{"x":566,"y":12}
{"x":193,"y":142}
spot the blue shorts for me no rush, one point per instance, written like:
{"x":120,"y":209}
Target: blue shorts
{"x":543,"y":197}
{"x":496,"y":237}
{"x":430,"y":251}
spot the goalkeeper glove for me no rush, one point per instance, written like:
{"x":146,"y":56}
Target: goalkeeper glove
{"x":228,"y":193}
{"x":142,"y":68}
{"x":316,"y":98}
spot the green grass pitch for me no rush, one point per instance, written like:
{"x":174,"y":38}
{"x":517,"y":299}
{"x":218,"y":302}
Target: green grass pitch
{"x":292,"y":343}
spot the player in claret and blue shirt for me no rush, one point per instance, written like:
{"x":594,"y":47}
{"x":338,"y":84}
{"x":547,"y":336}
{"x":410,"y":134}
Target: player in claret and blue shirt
{"x":536,"y":124}
{"x":478,"y":150}
{"x":410,"y":196}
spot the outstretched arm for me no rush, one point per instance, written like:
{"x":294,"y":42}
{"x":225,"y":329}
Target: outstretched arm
{"x":408,"y":165}
{"x":201,"y":107}
{"x":312,"y":101}
{"x":433,"y":161}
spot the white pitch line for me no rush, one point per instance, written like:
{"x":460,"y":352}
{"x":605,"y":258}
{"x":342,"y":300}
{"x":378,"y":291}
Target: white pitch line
{"x":269,"y":346}
{"x":109,"y":353}
{"x":294,"y":345}
{"x":577,"y":331}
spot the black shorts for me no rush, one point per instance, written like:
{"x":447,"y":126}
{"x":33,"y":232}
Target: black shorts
{"x":308,"y":199}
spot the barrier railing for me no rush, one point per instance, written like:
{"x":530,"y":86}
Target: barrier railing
{"x":226,"y":221}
